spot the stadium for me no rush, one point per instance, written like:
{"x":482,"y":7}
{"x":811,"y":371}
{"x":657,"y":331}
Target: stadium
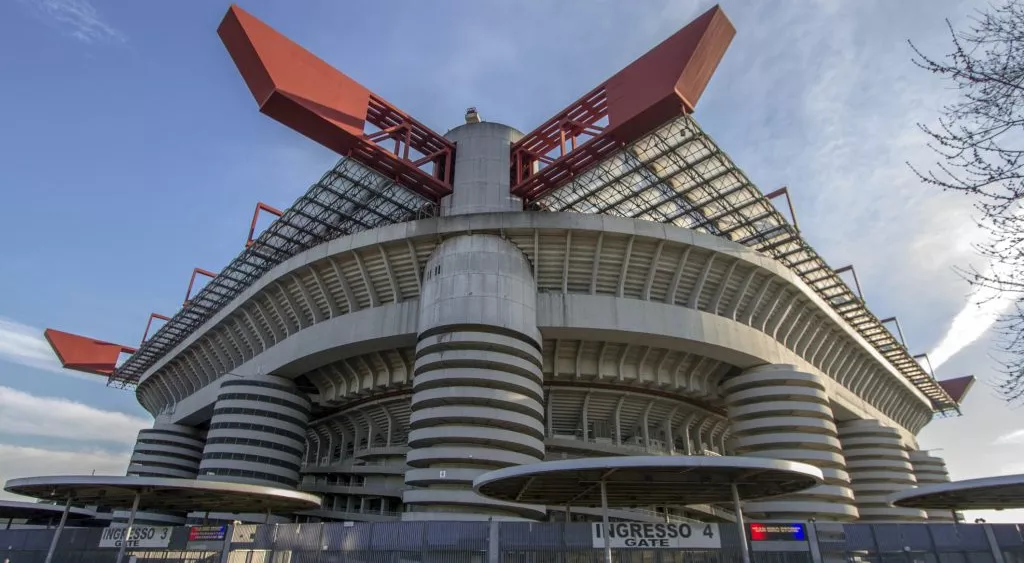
{"x":436,"y":307}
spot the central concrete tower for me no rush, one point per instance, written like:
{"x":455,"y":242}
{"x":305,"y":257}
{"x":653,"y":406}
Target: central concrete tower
{"x":478,"y":400}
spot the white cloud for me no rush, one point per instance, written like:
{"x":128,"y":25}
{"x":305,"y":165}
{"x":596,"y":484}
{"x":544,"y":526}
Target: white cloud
{"x":30,"y":415}
{"x":1015,"y":437}
{"x":77,"y":18}
{"x":24,"y":345}
{"x":22,"y":461}
{"x":985,"y":306}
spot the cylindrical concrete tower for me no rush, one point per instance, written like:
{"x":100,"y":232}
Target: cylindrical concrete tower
{"x":778,"y":412}
{"x":257,"y":433}
{"x":878,"y":466}
{"x":931,"y":470}
{"x":482,"y":181}
{"x":167,"y":450}
{"x":477,"y":399}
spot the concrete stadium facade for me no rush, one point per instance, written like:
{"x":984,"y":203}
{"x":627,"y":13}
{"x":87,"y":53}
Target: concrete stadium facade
{"x":439,"y":306}
{"x":386,"y":369}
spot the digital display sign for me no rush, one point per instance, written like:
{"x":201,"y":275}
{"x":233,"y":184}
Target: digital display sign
{"x":778,"y":532}
{"x":207,"y":533}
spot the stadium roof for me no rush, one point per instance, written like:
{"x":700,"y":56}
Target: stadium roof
{"x":678,"y":175}
{"x":675,"y":175}
{"x":349,"y":198}
{"x":627,"y":148}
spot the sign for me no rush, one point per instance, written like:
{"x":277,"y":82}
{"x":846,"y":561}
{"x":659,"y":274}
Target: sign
{"x":206,"y":538}
{"x":778,"y":532}
{"x":207,"y":533}
{"x":661,"y":535}
{"x":141,"y":536}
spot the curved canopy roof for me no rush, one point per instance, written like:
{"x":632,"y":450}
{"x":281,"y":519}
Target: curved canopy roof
{"x":647,"y":480}
{"x":987,"y":493}
{"x":26,"y":510}
{"x":158,"y":493}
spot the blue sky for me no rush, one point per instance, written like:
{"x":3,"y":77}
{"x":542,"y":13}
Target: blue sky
{"x":132,"y":152}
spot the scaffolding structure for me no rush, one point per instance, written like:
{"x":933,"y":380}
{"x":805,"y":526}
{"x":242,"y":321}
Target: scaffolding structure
{"x":349,"y":198}
{"x":679,"y":176}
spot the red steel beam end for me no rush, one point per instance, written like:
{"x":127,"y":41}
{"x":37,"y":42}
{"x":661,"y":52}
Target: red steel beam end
{"x":301,"y":91}
{"x":661,"y":85}
{"x":84,"y":354}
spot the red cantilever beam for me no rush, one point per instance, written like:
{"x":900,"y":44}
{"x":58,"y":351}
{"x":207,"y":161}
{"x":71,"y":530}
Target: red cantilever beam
{"x":299,"y":90}
{"x":88,"y":355}
{"x":662,"y":84}
{"x":958,"y":387}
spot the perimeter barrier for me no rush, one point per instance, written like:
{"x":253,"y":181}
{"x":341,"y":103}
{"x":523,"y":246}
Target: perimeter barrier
{"x":523,"y":542}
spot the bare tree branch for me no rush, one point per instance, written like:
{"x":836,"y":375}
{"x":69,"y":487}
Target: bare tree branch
{"x":979,"y":142}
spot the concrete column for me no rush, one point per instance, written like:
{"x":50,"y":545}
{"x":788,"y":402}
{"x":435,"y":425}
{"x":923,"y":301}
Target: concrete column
{"x":478,"y":400}
{"x":778,"y":412}
{"x":257,"y":432}
{"x":166,"y":450}
{"x":482,"y":162}
{"x":879,"y":466}
{"x":930,"y":470}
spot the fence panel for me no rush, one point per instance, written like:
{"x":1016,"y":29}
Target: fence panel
{"x":524,"y":542}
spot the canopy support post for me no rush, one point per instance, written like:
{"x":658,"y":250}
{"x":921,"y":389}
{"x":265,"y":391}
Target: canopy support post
{"x":740,"y":526}
{"x":57,"y":532}
{"x":131,"y":523}
{"x":604,"y":523}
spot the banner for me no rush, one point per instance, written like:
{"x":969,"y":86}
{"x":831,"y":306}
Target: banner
{"x":661,"y":535}
{"x":141,"y":536}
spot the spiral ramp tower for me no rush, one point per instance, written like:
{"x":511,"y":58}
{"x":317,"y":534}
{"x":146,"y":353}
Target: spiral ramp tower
{"x":879,"y":466}
{"x":931,"y":470}
{"x":165,"y":450}
{"x":257,"y":433}
{"x":779,"y":412}
{"x":478,"y":400}
{"x":438,"y":306}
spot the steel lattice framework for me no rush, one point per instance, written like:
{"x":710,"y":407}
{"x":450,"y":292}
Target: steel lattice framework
{"x":349,"y":198}
{"x":678,"y":175}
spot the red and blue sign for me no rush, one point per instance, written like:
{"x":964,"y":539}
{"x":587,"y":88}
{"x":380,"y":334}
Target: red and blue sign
{"x":778,"y":532}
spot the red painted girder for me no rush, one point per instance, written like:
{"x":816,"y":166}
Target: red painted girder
{"x":659,"y":86}
{"x":958,"y":387}
{"x":81,"y":353}
{"x":299,"y":90}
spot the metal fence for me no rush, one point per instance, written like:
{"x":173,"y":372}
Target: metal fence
{"x":525,"y":542}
